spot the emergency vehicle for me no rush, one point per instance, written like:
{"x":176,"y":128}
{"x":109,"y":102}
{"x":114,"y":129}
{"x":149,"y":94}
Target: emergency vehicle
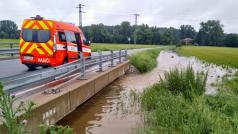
{"x":51,"y":43}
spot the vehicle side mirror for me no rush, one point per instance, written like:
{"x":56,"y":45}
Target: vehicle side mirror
{"x":87,"y":42}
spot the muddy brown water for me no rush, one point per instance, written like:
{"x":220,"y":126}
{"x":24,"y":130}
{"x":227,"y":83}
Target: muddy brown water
{"x":116,"y":110}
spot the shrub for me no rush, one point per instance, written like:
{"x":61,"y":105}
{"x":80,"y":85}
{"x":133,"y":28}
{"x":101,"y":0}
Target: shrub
{"x":145,"y":61}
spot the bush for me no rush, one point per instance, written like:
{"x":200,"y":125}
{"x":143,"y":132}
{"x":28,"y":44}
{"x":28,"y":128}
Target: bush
{"x":145,"y":61}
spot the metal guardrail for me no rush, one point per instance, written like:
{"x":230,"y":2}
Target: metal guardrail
{"x":9,"y":51}
{"x":59,"y":72}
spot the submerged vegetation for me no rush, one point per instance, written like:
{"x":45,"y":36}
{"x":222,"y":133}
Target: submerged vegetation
{"x":217,"y":55}
{"x":178,"y":105}
{"x":145,"y":61}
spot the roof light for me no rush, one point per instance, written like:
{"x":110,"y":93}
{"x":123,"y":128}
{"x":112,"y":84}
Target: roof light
{"x":38,"y":17}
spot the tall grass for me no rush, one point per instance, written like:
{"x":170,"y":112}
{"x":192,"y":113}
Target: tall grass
{"x":186,"y":82}
{"x":145,"y":61}
{"x":230,"y":83}
{"x":178,"y":105}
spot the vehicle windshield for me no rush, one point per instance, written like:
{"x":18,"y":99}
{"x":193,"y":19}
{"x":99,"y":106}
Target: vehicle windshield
{"x":34,"y":35}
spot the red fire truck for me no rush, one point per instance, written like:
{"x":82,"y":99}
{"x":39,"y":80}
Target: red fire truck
{"x":51,"y":43}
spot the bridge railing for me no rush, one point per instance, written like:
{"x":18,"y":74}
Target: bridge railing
{"x":77,"y":67}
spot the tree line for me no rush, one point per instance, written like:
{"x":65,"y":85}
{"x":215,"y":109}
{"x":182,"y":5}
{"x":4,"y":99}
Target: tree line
{"x":211,"y":33}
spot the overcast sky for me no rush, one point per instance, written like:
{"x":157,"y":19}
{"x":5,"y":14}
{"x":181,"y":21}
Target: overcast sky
{"x":161,"y":13}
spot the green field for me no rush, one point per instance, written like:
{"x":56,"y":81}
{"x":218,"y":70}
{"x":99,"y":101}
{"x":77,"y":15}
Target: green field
{"x":106,"y":47}
{"x":218,"y":55}
{"x":95,"y":46}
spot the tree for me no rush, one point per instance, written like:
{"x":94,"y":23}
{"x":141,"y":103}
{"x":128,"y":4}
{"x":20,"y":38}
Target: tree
{"x":144,"y":34}
{"x":211,"y":33}
{"x":187,"y":31}
{"x":231,"y":40}
{"x":126,"y":31}
{"x":170,"y":36}
{"x":8,"y":29}
{"x":99,"y":33}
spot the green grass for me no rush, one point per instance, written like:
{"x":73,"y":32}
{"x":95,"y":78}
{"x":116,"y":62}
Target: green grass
{"x":178,"y":105}
{"x":106,"y":47}
{"x":9,"y":40}
{"x":145,"y":61}
{"x":229,"y":83}
{"x":15,"y":41}
{"x":218,"y":55}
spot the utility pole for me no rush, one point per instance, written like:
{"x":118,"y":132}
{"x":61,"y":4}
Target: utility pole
{"x":135,"y":32}
{"x":80,"y":6}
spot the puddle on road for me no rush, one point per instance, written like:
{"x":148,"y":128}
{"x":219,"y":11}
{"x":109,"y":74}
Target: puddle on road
{"x":116,"y":109}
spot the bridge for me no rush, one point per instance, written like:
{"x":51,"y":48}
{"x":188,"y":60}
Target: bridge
{"x":60,"y":90}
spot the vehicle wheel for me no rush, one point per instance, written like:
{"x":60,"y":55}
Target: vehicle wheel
{"x":31,"y":67}
{"x":89,"y":57}
{"x":65,"y":61}
{"x":45,"y":66}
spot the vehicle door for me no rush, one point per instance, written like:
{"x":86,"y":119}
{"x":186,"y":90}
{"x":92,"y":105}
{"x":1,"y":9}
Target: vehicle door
{"x":85,"y":46}
{"x":72,"y":49}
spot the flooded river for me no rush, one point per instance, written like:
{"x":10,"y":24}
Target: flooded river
{"x":115,"y":110}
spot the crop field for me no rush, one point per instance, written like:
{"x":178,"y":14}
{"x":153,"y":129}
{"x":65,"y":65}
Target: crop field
{"x":217,"y":55}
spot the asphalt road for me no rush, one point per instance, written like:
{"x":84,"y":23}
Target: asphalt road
{"x":13,"y":67}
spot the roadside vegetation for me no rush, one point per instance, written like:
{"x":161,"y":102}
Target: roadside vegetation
{"x":178,"y":105}
{"x":217,"y":55}
{"x":145,"y":61}
{"x":12,"y":124}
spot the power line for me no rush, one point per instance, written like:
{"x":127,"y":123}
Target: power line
{"x":80,"y":6}
{"x":135,"y":32}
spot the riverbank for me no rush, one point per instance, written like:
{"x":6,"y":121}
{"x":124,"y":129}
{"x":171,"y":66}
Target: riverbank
{"x":174,"y":106}
{"x":117,"y":110}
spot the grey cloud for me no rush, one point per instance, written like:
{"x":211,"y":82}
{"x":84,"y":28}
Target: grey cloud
{"x":153,"y":12}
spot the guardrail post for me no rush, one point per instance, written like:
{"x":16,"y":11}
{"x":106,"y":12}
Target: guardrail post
{"x":125,"y":55}
{"x":82,"y":66}
{"x":120,"y":56}
{"x":100,"y":61}
{"x":112,"y":56}
{"x":11,"y":46}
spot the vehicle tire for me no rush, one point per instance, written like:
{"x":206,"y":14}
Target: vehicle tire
{"x":45,"y":66}
{"x":31,"y":67}
{"x":89,"y":57}
{"x":65,"y":60}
